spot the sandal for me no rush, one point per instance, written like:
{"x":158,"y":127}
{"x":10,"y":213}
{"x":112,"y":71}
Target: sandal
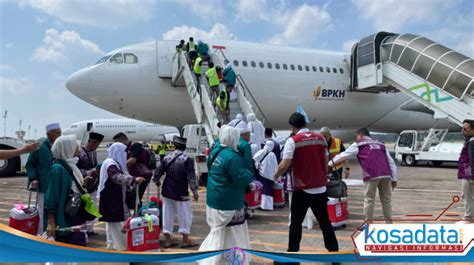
{"x":190,"y":245}
{"x":170,"y":245}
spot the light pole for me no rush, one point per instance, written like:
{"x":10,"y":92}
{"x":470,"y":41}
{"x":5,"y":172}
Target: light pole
{"x":36,"y":130}
{"x":5,"y":124}
{"x":29,"y":132}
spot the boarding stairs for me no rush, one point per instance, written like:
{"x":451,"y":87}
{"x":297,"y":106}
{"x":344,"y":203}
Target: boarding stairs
{"x":431,"y":74}
{"x":206,"y":115}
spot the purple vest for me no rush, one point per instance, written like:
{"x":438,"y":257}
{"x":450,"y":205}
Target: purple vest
{"x":464,"y":166}
{"x":372,"y":158}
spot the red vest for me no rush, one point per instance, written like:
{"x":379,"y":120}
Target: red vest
{"x":309,"y":167}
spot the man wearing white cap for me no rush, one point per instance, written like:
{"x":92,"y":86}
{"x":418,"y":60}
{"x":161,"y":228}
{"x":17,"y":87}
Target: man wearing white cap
{"x":38,"y":166}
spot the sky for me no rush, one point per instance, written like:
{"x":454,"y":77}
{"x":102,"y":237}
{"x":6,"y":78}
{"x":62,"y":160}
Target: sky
{"x":42,"y":42}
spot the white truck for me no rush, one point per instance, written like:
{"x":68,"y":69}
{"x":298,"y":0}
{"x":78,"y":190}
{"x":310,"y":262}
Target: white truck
{"x":196,"y":146}
{"x":413,"y":146}
{"x":9,"y":167}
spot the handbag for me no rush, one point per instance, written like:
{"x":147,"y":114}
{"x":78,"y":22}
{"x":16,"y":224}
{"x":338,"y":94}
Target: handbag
{"x":79,"y":203}
{"x":73,"y":204}
{"x":336,"y":188}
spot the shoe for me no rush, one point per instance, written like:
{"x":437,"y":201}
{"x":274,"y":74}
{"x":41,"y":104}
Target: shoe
{"x":463,"y":222}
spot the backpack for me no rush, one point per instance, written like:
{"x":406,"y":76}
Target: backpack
{"x":151,"y":158}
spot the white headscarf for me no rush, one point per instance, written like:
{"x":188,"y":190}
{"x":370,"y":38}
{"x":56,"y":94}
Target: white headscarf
{"x":229,"y":137}
{"x":256,"y":128}
{"x":268,"y":166}
{"x":116,"y":156}
{"x":64,"y":148}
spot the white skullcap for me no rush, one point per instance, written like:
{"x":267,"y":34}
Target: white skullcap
{"x":229,"y":137}
{"x":239,"y":116}
{"x":52,"y":126}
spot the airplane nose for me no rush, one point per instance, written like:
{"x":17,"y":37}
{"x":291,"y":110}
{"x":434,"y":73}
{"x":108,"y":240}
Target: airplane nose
{"x":78,"y":82}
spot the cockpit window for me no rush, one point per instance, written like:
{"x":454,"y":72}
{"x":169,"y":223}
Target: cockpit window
{"x":130,"y":58}
{"x":117,"y":58}
{"x":103,"y":59}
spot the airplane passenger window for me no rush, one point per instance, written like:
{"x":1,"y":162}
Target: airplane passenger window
{"x":341,"y":71}
{"x":328,"y":69}
{"x":321,"y":69}
{"x":334,"y":70}
{"x":292,"y":67}
{"x":244,"y":63}
{"x":269,"y":65}
{"x":236,"y":63}
{"x":277,"y":65}
{"x":130,"y":58}
{"x":315,"y":69}
{"x":300,"y":67}
{"x":261,"y":64}
{"x":285,"y":66}
{"x":117,"y":58}
{"x":306,"y":68}
{"x":253,"y":64}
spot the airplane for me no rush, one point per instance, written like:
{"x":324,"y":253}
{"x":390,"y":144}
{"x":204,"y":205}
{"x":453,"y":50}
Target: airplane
{"x":135,"y":81}
{"x":135,"y":130}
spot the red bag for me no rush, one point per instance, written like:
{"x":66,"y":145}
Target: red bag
{"x":143,"y":232}
{"x":25,"y":218}
{"x":278,"y":195}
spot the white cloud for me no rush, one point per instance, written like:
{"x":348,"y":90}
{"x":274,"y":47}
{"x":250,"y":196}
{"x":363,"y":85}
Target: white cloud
{"x":218,"y":31}
{"x":252,"y":10}
{"x":392,"y":15}
{"x":40,"y":20}
{"x":262,"y":10}
{"x":347,"y":45}
{"x":304,"y":25}
{"x":206,"y":9}
{"x":99,"y":13}
{"x":63,"y":47}
{"x":17,"y":86}
{"x":9,"y":45}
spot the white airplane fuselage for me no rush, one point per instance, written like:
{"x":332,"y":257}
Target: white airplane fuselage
{"x":135,"y":130}
{"x":143,"y":90}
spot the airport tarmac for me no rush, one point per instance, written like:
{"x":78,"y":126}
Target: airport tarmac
{"x":424,"y":189}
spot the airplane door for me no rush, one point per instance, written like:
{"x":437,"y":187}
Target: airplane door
{"x":164,"y":53}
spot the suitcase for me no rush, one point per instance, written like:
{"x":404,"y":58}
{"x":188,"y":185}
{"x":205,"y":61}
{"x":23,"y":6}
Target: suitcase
{"x":25,"y":218}
{"x":143,"y":232}
{"x":253,"y":198}
{"x":337,"y":211}
{"x":278,"y":195}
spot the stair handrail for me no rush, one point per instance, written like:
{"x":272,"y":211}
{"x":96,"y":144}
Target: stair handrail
{"x":246,"y":90}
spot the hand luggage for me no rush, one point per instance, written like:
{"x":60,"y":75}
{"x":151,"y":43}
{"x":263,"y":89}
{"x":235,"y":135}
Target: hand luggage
{"x":25,"y":218}
{"x":143,"y":232}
